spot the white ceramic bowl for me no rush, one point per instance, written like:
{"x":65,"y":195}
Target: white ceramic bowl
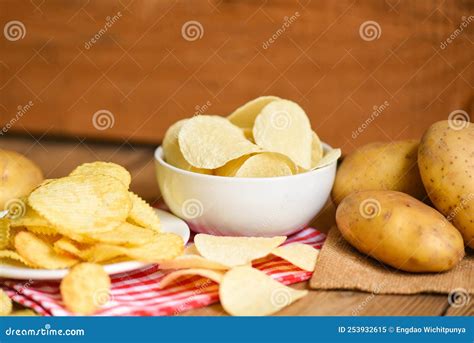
{"x":232,"y":206}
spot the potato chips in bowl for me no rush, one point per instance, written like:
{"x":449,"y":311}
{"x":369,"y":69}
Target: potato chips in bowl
{"x":262,"y":171}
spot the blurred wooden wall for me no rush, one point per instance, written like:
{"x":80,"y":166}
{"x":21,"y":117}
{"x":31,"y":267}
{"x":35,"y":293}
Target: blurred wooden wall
{"x":144,"y":74}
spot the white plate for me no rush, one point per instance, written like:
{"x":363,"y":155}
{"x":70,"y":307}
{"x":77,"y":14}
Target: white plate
{"x":169,"y":223}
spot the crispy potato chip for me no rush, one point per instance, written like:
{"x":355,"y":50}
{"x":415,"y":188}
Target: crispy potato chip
{"x":23,"y":313}
{"x":67,"y":246}
{"x":13,"y":255}
{"x":244,"y":116}
{"x":191,"y":249}
{"x":282,"y":126}
{"x":104,"y":168}
{"x":213,"y":275}
{"x":6,"y":305}
{"x":303,"y":256}
{"x":124,"y":234}
{"x":142,"y":214}
{"x":317,"y":150}
{"x":172,"y":152}
{"x":245,"y":291}
{"x":85,"y":288}
{"x":329,"y":158}
{"x":191,"y":261}
{"x":42,"y":230}
{"x":211,"y":141}
{"x":265,"y":164}
{"x":4,"y":233}
{"x":30,"y":218}
{"x":164,"y":247}
{"x":83,"y":203}
{"x":40,"y":253}
{"x":235,"y":251}
{"x":248,"y":133}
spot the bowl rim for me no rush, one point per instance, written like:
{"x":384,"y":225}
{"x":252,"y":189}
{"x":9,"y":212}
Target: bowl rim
{"x":158,"y":154}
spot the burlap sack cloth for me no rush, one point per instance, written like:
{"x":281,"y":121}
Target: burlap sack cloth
{"x":340,"y":266}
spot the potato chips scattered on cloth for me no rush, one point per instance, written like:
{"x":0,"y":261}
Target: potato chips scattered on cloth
{"x":138,"y":293}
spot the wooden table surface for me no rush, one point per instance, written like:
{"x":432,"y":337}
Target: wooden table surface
{"x":58,"y":158}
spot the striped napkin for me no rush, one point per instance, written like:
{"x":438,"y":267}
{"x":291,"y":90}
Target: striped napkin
{"x":136,"y":293}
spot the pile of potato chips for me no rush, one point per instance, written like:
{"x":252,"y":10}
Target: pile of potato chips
{"x":243,"y":290}
{"x":266,"y":137}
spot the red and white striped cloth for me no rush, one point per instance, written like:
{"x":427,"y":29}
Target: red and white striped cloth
{"x":136,"y":293}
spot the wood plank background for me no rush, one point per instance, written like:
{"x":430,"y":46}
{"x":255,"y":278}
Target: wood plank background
{"x":143,"y":71}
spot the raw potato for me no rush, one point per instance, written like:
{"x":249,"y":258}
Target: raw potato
{"x":85,"y":288}
{"x":380,"y":166}
{"x":446,"y":160}
{"x":282,"y":126}
{"x":211,"y":141}
{"x":400,"y":231}
{"x":19,"y":176}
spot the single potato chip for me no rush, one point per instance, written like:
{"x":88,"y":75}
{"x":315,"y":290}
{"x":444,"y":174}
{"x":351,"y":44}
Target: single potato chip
{"x":70,"y":247}
{"x":124,"y":234}
{"x":6,"y":305}
{"x":42,"y":230}
{"x":172,"y":152}
{"x":164,"y":247}
{"x":303,"y":256}
{"x":265,"y":164}
{"x":211,"y":141}
{"x":235,"y":251}
{"x":244,"y":116}
{"x":245,"y":291}
{"x":282,"y":126}
{"x":4,"y":233}
{"x":191,"y":261}
{"x":142,"y":214}
{"x":83,"y":203}
{"x":13,"y":255}
{"x":213,"y":275}
{"x":317,"y":150}
{"x":40,"y":253}
{"x":329,"y":158}
{"x":104,"y":168}
{"x":85,"y":288}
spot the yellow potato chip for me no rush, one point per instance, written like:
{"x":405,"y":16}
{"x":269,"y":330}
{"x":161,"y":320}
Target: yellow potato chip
{"x":329,"y":158}
{"x":6,"y":305}
{"x":235,"y":251}
{"x":191,"y":261}
{"x":42,"y":230}
{"x":104,"y":168}
{"x":30,"y":218}
{"x":316,"y":149}
{"x":142,"y":214}
{"x":303,"y":256}
{"x":213,"y":275}
{"x":83,"y":203}
{"x":4,"y":233}
{"x":244,"y":116}
{"x":23,"y":313}
{"x":85,"y":288}
{"x":172,"y":152}
{"x":212,"y":141}
{"x":191,"y":250}
{"x":165,"y":246}
{"x":40,"y":253}
{"x":67,"y":246}
{"x":124,"y":234}
{"x":245,"y":291}
{"x":265,"y":164}
{"x":282,"y":126}
{"x":248,"y":133}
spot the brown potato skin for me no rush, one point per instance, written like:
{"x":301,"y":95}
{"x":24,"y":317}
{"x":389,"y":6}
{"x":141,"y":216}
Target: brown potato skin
{"x":405,"y":234}
{"x":446,"y":161}
{"x":380,"y":166}
{"x":18,"y":176}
